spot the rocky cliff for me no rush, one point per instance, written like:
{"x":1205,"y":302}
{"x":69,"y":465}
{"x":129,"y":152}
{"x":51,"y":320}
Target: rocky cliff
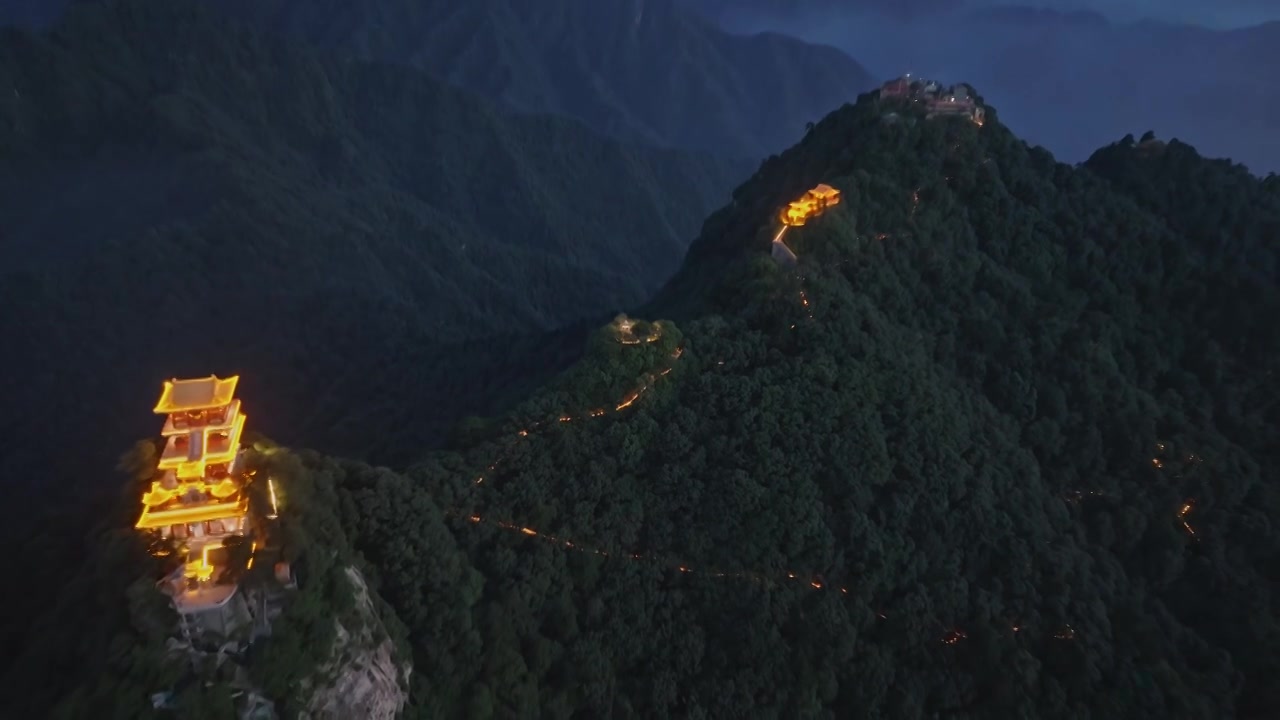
{"x":364,"y":677}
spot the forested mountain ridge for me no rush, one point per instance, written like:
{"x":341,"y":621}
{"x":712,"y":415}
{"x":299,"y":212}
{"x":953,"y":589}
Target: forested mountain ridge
{"x":990,"y":463}
{"x":642,"y":70}
{"x":1220,"y":205}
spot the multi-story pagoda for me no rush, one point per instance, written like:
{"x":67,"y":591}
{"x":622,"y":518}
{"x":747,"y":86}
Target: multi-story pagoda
{"x":200,"y":500}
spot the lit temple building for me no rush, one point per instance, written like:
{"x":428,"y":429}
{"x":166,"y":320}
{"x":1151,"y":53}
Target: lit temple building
{"x":199,"y":501}
{"x":938,"y":100}
{"x":813,"y":203}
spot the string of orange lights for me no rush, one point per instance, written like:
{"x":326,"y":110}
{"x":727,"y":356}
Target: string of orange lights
{"x":623,"y":403}
{"x":1188,"y":505}
{"x":804,"y":302}
{"x":804,"y":299}
{"x":815,"y":583}
{"x":1182,"y":518}
{"x":626,"y":401}
{"x":808,"y":580}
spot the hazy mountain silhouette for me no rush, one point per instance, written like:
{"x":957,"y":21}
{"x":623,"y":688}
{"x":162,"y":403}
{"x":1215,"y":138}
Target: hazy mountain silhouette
{"x":1068,"y":81}
{"x":642,"y":70}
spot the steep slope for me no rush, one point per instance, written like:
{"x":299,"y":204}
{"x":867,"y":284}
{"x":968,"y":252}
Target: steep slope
{"x":109,"y":645}
{"x":1231,"y":217}
{"x":643,"y":70}
{"x":978,"y":454}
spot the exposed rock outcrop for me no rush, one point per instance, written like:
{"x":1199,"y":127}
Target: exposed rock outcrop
{"x":364,"y":677}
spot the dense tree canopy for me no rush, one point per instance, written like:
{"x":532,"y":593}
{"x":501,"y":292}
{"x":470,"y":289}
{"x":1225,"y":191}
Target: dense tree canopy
{"x":1024,"y":421}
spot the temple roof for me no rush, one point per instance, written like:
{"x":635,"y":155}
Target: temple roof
{"x":196,"y":394}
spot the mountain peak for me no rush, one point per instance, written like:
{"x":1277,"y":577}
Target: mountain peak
{"x":985,"y":369}
{"x":866,"y":141}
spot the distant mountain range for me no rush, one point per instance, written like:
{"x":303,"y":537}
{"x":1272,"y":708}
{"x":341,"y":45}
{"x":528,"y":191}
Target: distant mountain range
{"x":721,"y":9}
{"x":644,"y":71}
{"x":640,"y":70}
{"x":1068,"y":81}
{"x":657,"y":72}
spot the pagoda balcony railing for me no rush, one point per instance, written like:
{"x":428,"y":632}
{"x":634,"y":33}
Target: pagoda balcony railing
{"x":214,"y":419}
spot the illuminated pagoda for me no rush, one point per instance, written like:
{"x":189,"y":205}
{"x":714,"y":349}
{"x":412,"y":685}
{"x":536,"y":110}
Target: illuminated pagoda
{"x":200,"y":500}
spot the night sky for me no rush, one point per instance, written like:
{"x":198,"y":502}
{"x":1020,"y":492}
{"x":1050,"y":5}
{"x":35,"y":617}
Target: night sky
{"x":1213,"y":14}
{"x":1220,"y":14}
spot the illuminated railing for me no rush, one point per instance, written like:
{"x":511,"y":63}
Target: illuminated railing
{"x":155,"y":519}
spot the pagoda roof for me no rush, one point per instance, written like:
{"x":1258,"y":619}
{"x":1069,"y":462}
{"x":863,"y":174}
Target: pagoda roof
{"x":196,"y":394}
{"x":824,"y":190}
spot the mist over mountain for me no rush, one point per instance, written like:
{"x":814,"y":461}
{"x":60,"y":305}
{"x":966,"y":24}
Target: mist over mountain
{"x":641,"y":70}
{"x":644,"y":71}
{"x":1223,"y":15}
{"x":1068,"y":81}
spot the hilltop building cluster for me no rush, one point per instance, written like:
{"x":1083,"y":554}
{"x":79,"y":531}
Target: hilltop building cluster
{"x":200,"y":504}
{"x":627,"y":333}
{"x":936,"y":98}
